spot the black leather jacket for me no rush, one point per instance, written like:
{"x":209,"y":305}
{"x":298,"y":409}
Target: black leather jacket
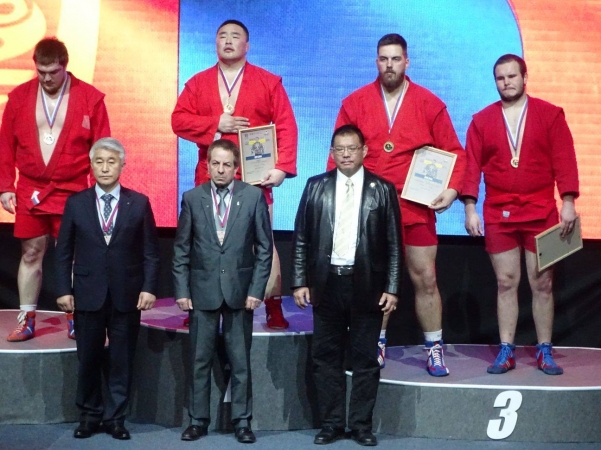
{"x":378,"y":254}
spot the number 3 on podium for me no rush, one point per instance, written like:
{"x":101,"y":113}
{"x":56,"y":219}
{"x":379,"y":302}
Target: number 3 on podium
{"x":510,"y":401}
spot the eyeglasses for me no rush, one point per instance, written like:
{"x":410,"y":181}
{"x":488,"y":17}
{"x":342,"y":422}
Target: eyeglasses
{"x":351,"y":149}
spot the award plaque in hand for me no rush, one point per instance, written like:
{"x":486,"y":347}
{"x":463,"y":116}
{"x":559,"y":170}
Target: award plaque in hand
{"x":258,"y":153}
{"x":429,"y":175}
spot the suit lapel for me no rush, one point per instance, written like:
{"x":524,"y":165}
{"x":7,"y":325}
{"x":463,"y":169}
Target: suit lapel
{"x":329,"y":198}
{"x":92,"y":209}
{"x":367,"y":200}
{"x":124,"y":209}
{"x":206,"y":200}
{"x":235,"y":206}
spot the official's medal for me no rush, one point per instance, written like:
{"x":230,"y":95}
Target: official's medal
{"x":515,"y":161}
{"x":388,"y":147}
{"x":220,"y":236}
{"x":48,"y":139}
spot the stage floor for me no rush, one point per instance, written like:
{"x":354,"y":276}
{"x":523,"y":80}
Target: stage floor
{"x":467,"y":364}
{"x":167,"y":316}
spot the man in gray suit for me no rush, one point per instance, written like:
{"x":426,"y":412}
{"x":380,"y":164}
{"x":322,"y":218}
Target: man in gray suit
{"x":222,"y":260}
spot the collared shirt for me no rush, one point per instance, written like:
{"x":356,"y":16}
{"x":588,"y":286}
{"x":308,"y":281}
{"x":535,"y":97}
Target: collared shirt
{"x":348,"y":258}
{"x":116,"y":193}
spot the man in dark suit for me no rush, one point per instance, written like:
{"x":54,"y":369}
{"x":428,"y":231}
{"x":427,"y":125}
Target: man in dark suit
{"x":346,"y":263}
{"x":108,"y":241}
{"x":221,"y":264}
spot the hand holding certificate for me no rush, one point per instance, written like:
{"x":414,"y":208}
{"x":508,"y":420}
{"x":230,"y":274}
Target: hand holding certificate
{"x":551,"y":247}
{"x":429,"y":175}
{"x":258,"y":152}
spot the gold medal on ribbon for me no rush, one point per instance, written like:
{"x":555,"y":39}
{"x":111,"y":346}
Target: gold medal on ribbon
{"x":515,"y":161}
{"x":228,"y":109}
{"x":388,"y":147}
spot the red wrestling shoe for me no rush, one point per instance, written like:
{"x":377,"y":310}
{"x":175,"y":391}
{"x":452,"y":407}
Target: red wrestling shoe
{"x":26,"y":328}
{"x":274,"y":314}
{"x":70,"y":326}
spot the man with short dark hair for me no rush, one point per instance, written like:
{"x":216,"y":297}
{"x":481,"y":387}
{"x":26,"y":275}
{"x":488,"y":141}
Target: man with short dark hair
{"x":108,"y":242}
{"x":346,"y":254}
{"x":398,"y":117}
{"x":230,"y":96}
{"x":222,"y":259}
{"x":524,"y":147}
{"x":48,"y":127}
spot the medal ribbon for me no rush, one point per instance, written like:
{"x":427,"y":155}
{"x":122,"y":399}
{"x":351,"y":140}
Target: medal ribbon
{"x":51,"y":119}
{"x":399,"y":101}
{"x":515,"y":140}
{"x":107,"y":225}
{"x":222,"y":221}
{"x":231,"y":87}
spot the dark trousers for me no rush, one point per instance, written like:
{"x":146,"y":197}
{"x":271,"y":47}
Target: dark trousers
{"x":331,"y":320}
{"x":237,"y":333}
{"x":91,"y":331}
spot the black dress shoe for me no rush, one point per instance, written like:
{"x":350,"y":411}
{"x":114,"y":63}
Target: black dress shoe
{"x":364,"y":437}
{"x":86,"y":430}
{"x":194,"y":432}
{"x":327,"y":435}
{"x":245,"y":435}
{"x":118,"y":431}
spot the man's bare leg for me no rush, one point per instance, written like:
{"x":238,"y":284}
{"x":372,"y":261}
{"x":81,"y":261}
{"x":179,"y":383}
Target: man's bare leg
{"x":507,"y":271}
{"x":273,"y":293}
{"x":543,"y":308}
{"x":29,"y":282}
{"x":421,"y":263}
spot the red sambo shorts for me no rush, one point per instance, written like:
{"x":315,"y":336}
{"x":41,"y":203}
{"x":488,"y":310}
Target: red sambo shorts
{"x":420,"y":234}
{"x":505,"y":236}
{"x":33,"y":226}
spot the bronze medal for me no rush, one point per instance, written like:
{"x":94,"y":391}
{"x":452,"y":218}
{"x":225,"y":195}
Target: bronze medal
{"x":515,"y":161}
{"x":388,"y":147}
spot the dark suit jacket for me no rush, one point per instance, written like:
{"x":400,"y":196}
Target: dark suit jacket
{"x":378,"y":255}
{"x":125,"y":267}
{"x":208,"y":272}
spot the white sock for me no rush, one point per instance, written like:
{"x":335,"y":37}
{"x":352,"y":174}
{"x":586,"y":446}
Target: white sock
{"x":433,"y":336}
{"x":27,"y":308}
{"x":382,"y":334}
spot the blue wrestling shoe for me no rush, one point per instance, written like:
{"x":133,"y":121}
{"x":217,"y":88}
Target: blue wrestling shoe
{"x":435,"y":364}
{"x":545,"y":360}
{"x":70,"y":325}
{"x":382,"y":352}
{"x":505,"y":360}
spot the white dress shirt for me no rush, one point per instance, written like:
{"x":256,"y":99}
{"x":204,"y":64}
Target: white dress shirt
{"x":348,"y":258}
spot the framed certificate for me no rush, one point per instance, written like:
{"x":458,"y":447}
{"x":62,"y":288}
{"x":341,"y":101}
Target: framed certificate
{"x":429,"y":175}
{"x":258,"y":152}
{"x":551,"y":247}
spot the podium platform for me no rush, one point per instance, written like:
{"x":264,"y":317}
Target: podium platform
{"x":37,"y":377}
{"x":38,"y":380}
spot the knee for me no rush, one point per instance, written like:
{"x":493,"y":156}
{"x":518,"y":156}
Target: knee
{"x":424,"y":280}
{"x":32,"y":256}
{"x":507,"y":282}
{"x":542,"y":286}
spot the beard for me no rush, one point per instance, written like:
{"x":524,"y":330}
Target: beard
{"x":392,"y":83}
{"x":512,"y":97}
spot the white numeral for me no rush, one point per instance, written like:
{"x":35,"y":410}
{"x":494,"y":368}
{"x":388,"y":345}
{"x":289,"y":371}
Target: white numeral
{"x":510,"y":401}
